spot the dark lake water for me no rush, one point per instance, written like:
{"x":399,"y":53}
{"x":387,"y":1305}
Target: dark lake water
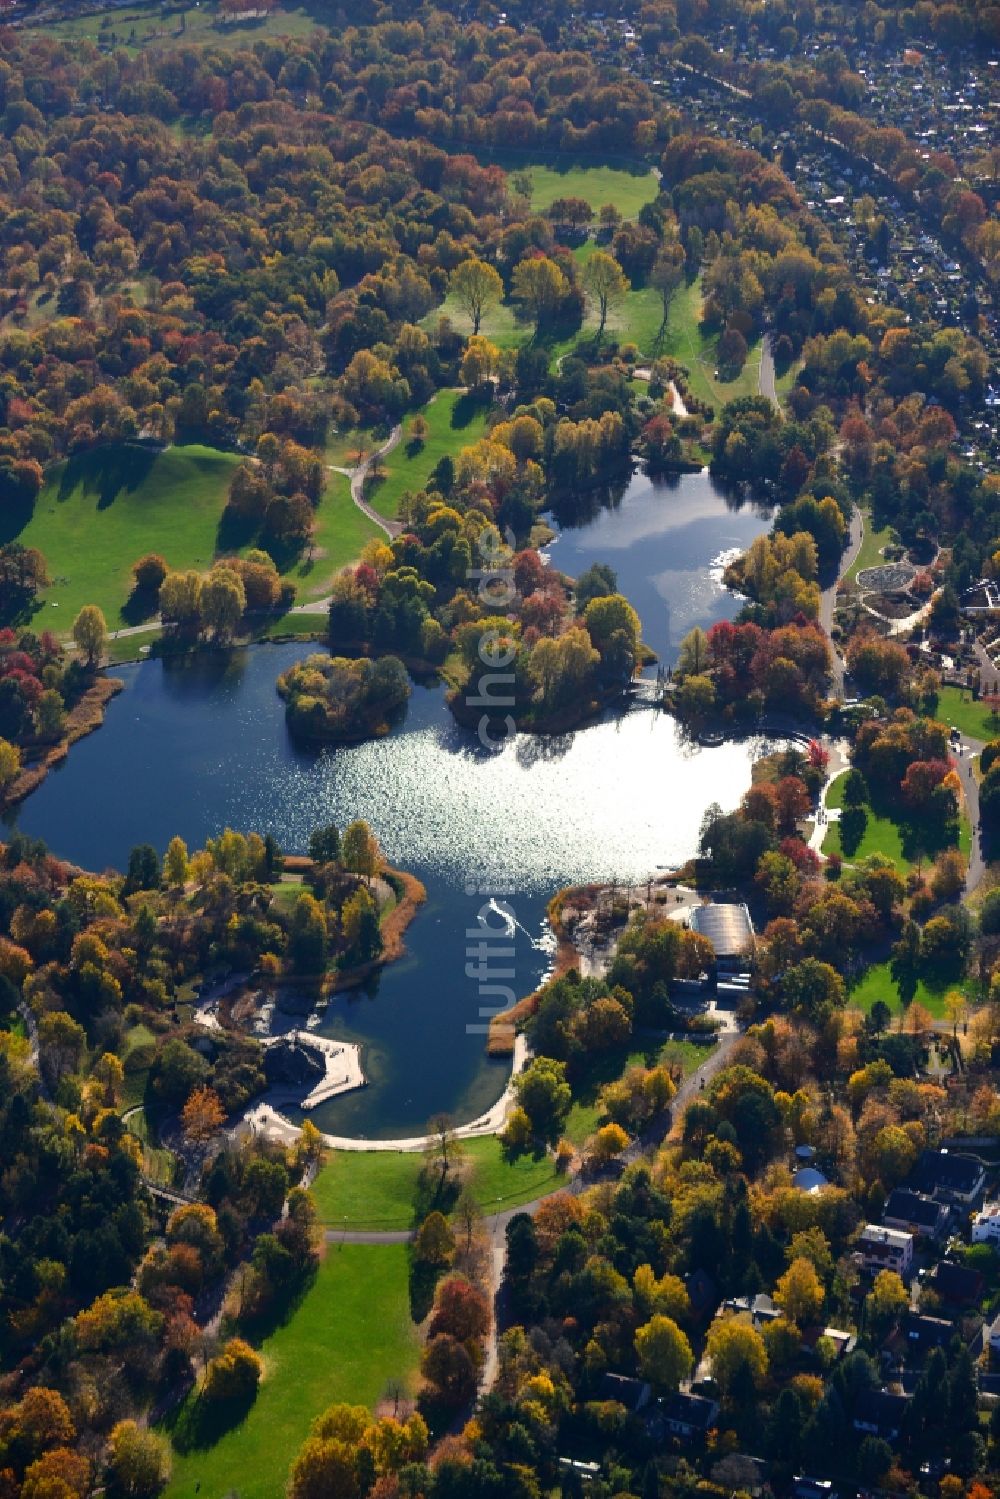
{"x":189,"y":748}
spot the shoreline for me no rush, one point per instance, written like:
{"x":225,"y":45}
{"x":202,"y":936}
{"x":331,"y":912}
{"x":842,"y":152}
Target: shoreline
{"x":85,"y":717}
{"x":265,"y":1119}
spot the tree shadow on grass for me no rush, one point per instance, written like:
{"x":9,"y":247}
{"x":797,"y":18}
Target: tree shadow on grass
{"x":280,"y":1310}
{"x":140,"y":605}
{"x":107,"y":471}
{"x":435,"y":1192}
{"x":15,"y":514}
{"x":468,"y":406}
{"x":198,"y":1424}
{"x":234,"y":531}
{"x":423,"y":1280}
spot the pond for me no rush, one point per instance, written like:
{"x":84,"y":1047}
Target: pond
{"x":668,"y":540}
{"x":191,"y":747}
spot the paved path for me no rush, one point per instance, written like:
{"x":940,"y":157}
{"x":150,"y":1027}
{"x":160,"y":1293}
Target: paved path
{"x":766,"y":378}
{"x":828,"y":600}
{"x":977,"y":864}
{"x":496,"y":1223}
{"x":358,"y":476}
{"x":269,"y":1121}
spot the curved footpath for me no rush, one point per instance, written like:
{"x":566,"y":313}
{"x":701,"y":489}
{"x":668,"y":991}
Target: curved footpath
{"x":766,"y":381}
{"x":266,"y":1119}
{"x":828,"y":598}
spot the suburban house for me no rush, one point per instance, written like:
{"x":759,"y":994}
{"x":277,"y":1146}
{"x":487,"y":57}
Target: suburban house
{"x":952,"y":1178}
{"x":633,"y":1394}
{"x":924,"y":1334}
{"x":760,"y":1308}
{"x":986,"y":1224}
{"x":881,"y":1248}
{"x":991,"y":1336}
{"x":957,"y":1284}
{"x":880,"y":1414}
{"x":924,"y":1217}
{"x":689,"y":1416}
{"x":813,"y":1488}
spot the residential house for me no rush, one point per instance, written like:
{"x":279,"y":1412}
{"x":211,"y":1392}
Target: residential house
{"x":689,"y":1416}
{"x":924,"y":1334}
{"x":952,"y":1178}
{"x":957,"y":1284}
{"x":986,"y":1224}
{"x":633,"y":1394}
{"x":813,"y":1488}
{"x":879,"y":1413}
{"x":881,"y":1248}
{"x":924,"y":1217}
{"x":760,"y":1308}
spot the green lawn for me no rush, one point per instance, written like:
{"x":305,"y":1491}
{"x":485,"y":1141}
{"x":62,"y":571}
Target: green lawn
{"x":878,"y":983}
{"x":342,"y":530}
{"x":597,"y":185}
{"x":872,"y":542}
{"x":638,"y":319}
{"x":141,"y":25}
{"x":343,"y":449}
{"x":454,"y":421}
{"x":377,"y":1189}
{"x":350,"y":1335}
{"x":586,"y":1113}
{"x":686,"y":340}
{"x":99,"y":513}
{"x":499,"y":325}
{"x":883,"y":835}
{"x":957,"y":706}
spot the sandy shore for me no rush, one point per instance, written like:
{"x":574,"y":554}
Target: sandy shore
{"x":264,"y":1118}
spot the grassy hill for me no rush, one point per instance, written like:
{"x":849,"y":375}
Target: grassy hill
{"x":348,"y":1336}
{"x":597,"y":185}
{"x":454,"y":422}
{"x":98,"y":513}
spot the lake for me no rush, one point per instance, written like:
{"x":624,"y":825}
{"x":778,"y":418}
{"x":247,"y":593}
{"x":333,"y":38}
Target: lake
{"x":190,"y":747}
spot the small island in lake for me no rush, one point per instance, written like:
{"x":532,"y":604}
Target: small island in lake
{"x":342,"y":700}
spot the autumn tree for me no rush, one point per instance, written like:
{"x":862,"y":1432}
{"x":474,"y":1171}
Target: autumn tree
{"x":359,"y":850}
{"x":10,"y":762}
{"x":449,"y":1371}
{"x":435,"y":1243}
{"x":223,"y":601}
{"x":175,"y":862}
{"x":460,"y":1309}
{"x":666,"y":276}
{"x":887,"y":1300}
{"x":138,"y":1462}
{"x":149,"y":572}
{"x":540,"y":286}
{"x":606,"y":284}
{"x":799,"y":1293}
{"x":545,"y":1096}
{"x":233,"y":1375}
{"x":664,"y":1353}
{"x":737,"y":1354}
{"x":202,"y":1116}
{"x":90,"y":632}
{"x":476,"y":287}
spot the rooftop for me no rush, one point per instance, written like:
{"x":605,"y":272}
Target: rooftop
{"x":727,"y":927}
